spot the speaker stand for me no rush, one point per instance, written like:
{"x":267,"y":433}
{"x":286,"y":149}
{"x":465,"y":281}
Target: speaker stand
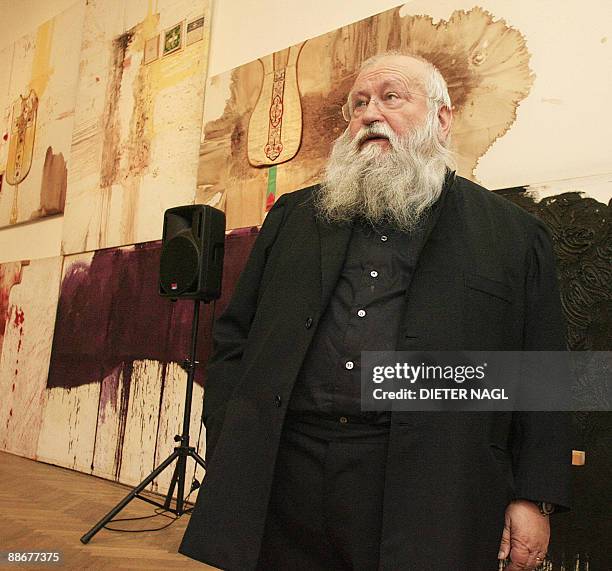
{"x":180,"y":454}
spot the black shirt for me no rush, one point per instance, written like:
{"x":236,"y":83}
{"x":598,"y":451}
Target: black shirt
{"x":363,"y":314}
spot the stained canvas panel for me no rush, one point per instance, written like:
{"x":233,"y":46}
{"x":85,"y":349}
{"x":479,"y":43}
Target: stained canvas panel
{"x":28,"y":298}
{"x":269,"y":124}
{"x":68,"y":428}
{"x":116,"y":390}
{"x":137,"y":122}
{"x":38,"y":84}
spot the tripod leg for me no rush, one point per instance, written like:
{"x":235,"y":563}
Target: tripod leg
{"x":125,"y":501}
{"x":180,"y":495}
{"x":175,"y":477}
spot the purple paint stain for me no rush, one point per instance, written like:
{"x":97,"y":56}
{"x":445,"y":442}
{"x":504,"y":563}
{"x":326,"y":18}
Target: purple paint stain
{"x":123,"y":410}
{"x":110,"y":314}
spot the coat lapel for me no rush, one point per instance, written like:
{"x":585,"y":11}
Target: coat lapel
{"x":433,"y":316}
{"x":334,"y":241}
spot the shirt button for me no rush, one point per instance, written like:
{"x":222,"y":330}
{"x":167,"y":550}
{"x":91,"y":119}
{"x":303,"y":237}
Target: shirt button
{"x":383,"y":238}
{"x":308,"y":323}
{"x":343,"y":420}
{"x":361,"y":313}
{"x":277,"y":400}
{"x":349,"y":365}
{"x":374,"y":273}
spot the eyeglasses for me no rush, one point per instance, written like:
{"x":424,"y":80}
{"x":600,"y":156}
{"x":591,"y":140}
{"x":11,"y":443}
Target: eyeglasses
{"x":390,"y":101}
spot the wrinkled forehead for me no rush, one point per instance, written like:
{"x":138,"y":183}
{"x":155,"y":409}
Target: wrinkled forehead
{"x":393,"y":72}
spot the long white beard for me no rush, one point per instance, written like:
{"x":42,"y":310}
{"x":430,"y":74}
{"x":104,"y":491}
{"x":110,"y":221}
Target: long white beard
{"x":392,"y":186}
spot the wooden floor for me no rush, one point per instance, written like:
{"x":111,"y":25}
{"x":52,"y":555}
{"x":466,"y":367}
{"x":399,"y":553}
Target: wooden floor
{"x":46,"y":508}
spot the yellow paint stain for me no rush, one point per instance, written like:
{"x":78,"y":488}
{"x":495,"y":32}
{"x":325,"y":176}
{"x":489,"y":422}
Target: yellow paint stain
{"x":146,"y":29}
{"x":176,"y":68}
{"x":41,"y":68}
{"x":144,"y":94}
{"x":165,"y":72}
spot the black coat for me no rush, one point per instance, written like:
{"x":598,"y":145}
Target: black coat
{"x":485,"y":280}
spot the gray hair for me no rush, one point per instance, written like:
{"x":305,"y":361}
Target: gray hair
{"x":435,"y":86}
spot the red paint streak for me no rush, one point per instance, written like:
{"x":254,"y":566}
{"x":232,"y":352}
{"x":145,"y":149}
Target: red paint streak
{"x":13,"y":387}
{"x":10,"y":274}
{"x":11,"y":412}
{"x":16,"y":372}
{"x":20,"y":341}
{"x":5,"y":136}
{"x":269,"y":201}
{"x":19,"y":317}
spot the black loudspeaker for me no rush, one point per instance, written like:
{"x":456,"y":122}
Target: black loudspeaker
{"x":193,"y":243}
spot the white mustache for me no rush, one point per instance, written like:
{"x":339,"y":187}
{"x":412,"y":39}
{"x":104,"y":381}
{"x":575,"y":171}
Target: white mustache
{"x":374,"y":131}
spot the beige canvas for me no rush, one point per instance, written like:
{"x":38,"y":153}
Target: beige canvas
{"x":38,"y":83}
{"x":137,"y":121}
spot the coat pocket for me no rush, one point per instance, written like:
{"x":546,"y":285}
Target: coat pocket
{"x":489,"y":314}
{"x":495,"y":288}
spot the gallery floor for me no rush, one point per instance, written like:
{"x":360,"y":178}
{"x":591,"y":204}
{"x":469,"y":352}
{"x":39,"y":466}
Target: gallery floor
{"x":46,"y":508}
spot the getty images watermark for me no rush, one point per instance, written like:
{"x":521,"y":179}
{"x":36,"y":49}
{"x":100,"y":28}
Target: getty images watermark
{"x":486,"y":380}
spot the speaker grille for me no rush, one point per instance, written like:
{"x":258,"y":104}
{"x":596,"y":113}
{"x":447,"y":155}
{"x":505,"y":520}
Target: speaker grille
{"x":179,"y":265}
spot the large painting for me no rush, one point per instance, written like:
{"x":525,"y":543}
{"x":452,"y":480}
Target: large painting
{"x":115,"y":390}
{"x":269,"y":124}
{"x":38,"y":83}
{"x":137,"y":121}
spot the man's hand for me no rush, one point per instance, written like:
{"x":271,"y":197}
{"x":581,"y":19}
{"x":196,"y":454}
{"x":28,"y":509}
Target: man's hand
{"x":525,"y":537}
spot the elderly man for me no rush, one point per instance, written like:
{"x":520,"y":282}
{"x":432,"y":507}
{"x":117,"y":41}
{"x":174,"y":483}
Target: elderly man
{"x":391,"y":251}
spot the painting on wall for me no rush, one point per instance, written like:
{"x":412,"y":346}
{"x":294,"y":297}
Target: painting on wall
{"x":28,"y":299}
{"x":577,"y":213}
{"x":269,"y":124}
{"x":38,"y":84}
{"x":115,"y":390}
{"x":137,"y":120}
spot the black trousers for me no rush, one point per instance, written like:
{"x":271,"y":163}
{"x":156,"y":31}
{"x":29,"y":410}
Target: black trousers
{"x":325,"y":510}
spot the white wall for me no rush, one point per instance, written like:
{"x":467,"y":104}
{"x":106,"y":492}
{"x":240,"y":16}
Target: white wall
{"x":265,"y":26}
